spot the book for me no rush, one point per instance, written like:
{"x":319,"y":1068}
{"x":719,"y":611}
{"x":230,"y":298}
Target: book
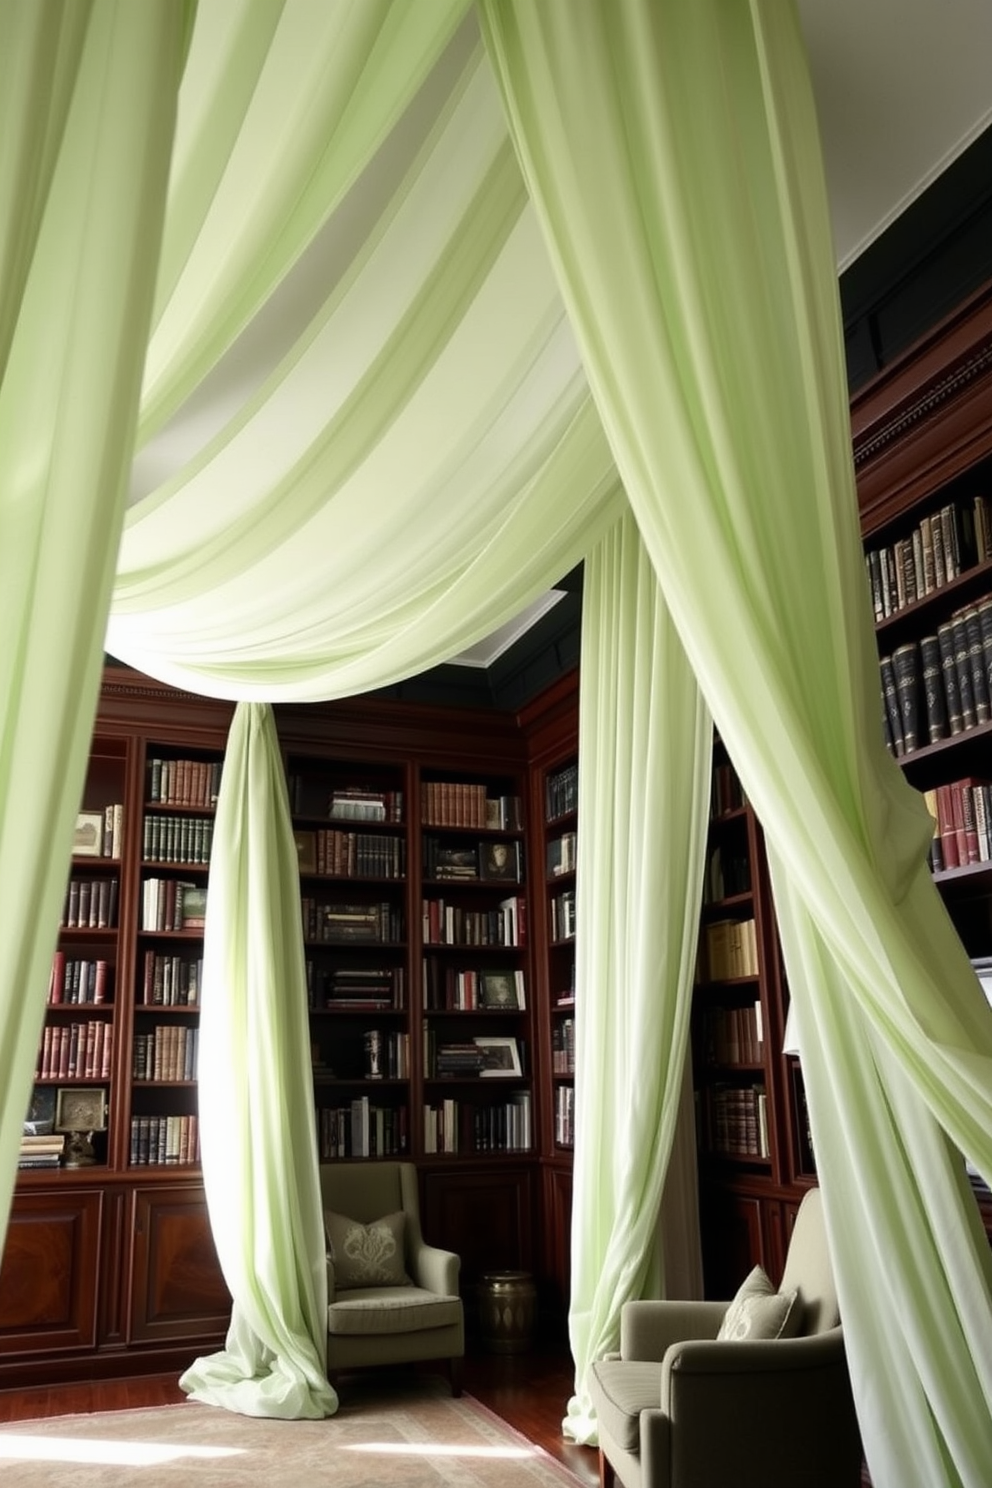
{"x":952,"y":692}
{"x":906,"y":670}
{"x":934,"y":699}
{"x":891,"y":710}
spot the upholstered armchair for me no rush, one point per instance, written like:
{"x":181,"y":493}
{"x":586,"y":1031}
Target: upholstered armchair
{"x":766,"y":1405}
{"x":392,"y":1299}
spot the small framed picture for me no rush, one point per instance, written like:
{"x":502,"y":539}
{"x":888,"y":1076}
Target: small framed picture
{"x":306,"y":851}
{"x":498,"y":989}
{"x":40,"y":1120}
{"x":499,"y":859}
{"x":501,"y":1057}
{"x":87,"y":841}
{"x":81,"y":1108}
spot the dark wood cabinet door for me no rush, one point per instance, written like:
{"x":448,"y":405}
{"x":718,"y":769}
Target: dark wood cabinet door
{"x":48,"y":1279}
{"x":556,"y":1235}
{"x":733,"y":1240}
{"x":177,"y":1288}
{"x":484,"y":1214}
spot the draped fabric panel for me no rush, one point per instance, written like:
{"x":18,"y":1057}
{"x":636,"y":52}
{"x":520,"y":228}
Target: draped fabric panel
{"x":367,"y":443}
{"x":85,"y":134}
{"x":645,"y":744}
{"x":257,"y":1131}
{"x":673,"y":155}
{"x":281,"y":106}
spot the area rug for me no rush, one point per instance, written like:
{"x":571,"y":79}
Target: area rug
{"x":415,"y":1439}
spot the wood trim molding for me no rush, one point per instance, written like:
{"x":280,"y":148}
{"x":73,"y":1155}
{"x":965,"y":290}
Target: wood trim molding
{"x":927,"y":417}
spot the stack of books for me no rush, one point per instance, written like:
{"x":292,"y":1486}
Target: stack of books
{"x":41,"y":1151}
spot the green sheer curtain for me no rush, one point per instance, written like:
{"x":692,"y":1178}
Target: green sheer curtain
{"x":87,"y":111}
{"x":257,"y":1131}
{"x":673,"y":153}
{"x":645,"y":744}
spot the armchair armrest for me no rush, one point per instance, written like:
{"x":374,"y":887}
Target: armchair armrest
{"x":435,"y":1270}
{"x":761,"y":1401}
{"x":648,"y":1329}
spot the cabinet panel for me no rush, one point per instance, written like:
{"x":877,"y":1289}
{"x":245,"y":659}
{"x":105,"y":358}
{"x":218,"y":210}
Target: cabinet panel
{"x":556,"y":1233}
{"x":486,"y":1216}
{"x":177,"y":1289}
{"x":733,"y":1240}
{"x":48,"y":1277}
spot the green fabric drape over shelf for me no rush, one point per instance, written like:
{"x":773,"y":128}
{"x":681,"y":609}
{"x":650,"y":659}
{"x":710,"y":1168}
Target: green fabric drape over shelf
{"x":367,"y":438}
{"x":673,"y":155}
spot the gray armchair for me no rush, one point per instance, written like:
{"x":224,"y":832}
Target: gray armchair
{"x":678,"y":1408}
{"x":392,"y":1299}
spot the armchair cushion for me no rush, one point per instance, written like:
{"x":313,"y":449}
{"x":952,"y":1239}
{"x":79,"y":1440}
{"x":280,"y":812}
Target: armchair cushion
{"x":366,"y":1255}
{"x":759,"y":1311}
{"x":389,"y":1310}
{"x":621,"y":1389}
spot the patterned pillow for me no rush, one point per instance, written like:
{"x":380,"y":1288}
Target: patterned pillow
{"x":759,"y":1311}
{"x":366,"y":1255}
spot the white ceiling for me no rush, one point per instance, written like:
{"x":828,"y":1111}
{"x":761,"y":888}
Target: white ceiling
{"x":902,"y":88}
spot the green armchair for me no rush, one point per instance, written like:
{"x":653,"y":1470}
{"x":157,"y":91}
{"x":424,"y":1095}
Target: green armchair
{"x":392,"y":1299}
{"x":680,"y":1408}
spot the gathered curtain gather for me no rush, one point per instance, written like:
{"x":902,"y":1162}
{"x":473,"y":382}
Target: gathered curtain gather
{"x":377,"y":423}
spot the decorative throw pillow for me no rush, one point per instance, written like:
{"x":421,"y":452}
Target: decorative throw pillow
{"x":759,"y":1311}
{"x":366,"y":1255}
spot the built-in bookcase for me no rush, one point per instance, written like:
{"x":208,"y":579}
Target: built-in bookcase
{"x":351,"y":824}
{"x":477,"y":1059}
{"x":179,"y":801}
{"x":75,"y":1075}
{"x":731,"y":996}
{"x":560,"y":842}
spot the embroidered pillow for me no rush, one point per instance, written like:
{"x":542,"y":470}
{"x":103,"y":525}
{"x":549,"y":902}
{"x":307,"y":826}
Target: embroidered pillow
{"x":366,"y":1255}
{"x":759,"y":1311}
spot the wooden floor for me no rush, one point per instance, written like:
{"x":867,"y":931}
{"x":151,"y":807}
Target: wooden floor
{"x":529,"y":1391}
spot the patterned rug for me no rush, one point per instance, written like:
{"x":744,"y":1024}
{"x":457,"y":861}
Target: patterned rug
{"x":417,"y":1438}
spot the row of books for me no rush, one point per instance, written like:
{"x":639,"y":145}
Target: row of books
{"x":453,"y":1126}
{"x":361,"y":1129}
{"x":562,"y":854}
{"x":76,"y":1051}
{"x":331,"y":852}
{"x":184,"y":782}
{"x":164,"y":1140}
{"x":173,"y":904}
{"x":166,"y":1052}
{"x":177,"y":839}
{"x":78,"y":981}
{"x":90,"y":903}
{"x":561,"y":792}
{"x":448,"y":989}
{"x":565,"y":1116}
{"x":452,"y":924}
{"x":170,"y":980}
{"x":363,"y":803}
{"x":453,"y":803}
{"x":735,"y":1120}
{"x":340,"y":924}
{"x":728,"y":872}
{"x":356,"y":987}
{"x":941,"y":685}
{"x":733,"y":1035}
{"x":563,"y":1047}
{"x":727,"y":949}
{"x":943,"y":545}
{"x":962,"y":815}
{"x":562,"y":912}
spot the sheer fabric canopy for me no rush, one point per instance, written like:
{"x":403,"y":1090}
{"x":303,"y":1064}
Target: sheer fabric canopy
{"x":374,"y":424}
